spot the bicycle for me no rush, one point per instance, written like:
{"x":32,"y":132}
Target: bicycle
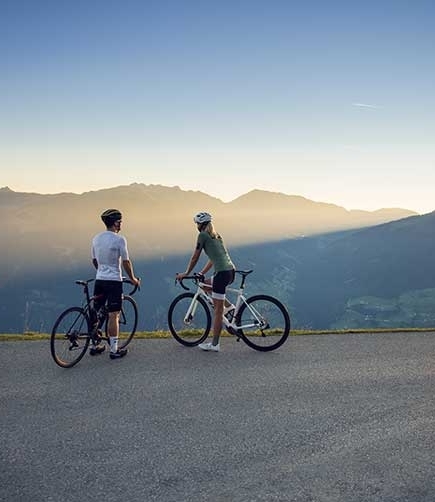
{"x":77,"y":327}
{"x":261,"y":321}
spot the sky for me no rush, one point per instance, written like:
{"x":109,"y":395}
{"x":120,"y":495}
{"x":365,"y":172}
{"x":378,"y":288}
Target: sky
{"x":330,"y":100}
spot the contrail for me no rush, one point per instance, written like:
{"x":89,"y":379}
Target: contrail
{"x":364,"y":105}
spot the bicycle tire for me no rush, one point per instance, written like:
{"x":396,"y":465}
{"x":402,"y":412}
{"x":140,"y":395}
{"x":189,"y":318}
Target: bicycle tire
{"x":276,"y":319}
{"x":128,"y":318}
{"x":70,"y":337}
{"x":194,"y":331}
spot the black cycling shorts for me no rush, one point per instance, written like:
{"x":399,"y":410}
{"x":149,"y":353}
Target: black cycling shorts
{"x":110,"y":291}
{"x":220,"y":282}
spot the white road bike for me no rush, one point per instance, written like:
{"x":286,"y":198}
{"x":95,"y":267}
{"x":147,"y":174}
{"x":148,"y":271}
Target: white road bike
{"x":261,"y":321}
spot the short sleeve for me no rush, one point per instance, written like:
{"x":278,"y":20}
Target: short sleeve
{"x":123,"y":251}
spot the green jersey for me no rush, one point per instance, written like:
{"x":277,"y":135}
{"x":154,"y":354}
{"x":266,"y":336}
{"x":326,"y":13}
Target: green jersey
{"x":216,"y":251}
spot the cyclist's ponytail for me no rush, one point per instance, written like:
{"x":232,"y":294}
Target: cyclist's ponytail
{"x":211,"y":230}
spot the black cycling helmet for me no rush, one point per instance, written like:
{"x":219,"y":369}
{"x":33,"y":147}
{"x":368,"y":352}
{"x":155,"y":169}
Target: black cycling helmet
{"x":110,"y":216}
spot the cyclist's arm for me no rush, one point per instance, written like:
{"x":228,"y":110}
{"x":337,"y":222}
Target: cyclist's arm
{"x":128,"y":267}
{"x":207,"y":267}
{"x":193,"y":260}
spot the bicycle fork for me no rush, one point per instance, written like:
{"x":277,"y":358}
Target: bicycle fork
{"x":190,"y":314}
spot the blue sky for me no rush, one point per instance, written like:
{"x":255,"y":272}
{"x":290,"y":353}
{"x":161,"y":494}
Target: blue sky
{"x":331,"y":100}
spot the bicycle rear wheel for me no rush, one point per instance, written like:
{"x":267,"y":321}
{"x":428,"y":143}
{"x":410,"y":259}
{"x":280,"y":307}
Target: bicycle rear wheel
{"x":263,"y":323}
{"x":193,"y":329}
{"x":70,"y":337}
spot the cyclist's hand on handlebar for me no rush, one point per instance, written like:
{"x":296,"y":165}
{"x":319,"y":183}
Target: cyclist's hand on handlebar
{"x":136,"y":282}
{"x":180,"y":276}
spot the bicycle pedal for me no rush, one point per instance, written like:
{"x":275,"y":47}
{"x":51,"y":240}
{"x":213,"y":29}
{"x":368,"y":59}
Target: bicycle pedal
{"x":97,"y":338}
{"x":234,"y":332}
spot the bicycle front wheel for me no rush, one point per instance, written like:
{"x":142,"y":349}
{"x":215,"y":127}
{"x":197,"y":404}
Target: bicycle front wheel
{"x":263,"y":323}
{"x":70,"y":337}
{"x":189,"y":322}
{"x":127,"y":322}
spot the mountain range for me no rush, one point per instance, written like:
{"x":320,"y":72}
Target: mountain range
{"x":332,"y":267}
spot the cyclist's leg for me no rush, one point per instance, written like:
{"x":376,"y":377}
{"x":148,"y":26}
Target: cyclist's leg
{"x":208,"y":286}
{"x":114,"y":305}
{"x":100,"y":294}
{"x":113,"y":330}
{"x":208,"y":289}
{"x":100,"y":297}
{"x":219,"y":283}
{"x":218,"y":307}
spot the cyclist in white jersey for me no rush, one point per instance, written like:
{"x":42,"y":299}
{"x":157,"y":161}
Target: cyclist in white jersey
{"x":109,"y":255}
{"x":219,"y":259}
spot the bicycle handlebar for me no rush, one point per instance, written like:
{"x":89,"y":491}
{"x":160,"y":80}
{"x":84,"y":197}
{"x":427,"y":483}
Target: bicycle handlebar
{"x":196,"y":278}
{"x":136,"y":287}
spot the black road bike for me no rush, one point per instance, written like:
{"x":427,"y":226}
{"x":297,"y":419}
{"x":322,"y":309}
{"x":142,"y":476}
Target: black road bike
{"x":77,"y":327}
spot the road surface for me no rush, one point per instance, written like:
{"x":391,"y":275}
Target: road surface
{"x":325,"y":418}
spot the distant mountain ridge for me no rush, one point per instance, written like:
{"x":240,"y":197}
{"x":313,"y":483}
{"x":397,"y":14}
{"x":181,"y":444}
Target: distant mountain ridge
{"x":253,"y":217}
{"x":331,"y":266}
{"x":52,"y":231}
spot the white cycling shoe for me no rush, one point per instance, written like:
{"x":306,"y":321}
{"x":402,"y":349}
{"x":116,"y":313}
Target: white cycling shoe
{"x":209,"y":347}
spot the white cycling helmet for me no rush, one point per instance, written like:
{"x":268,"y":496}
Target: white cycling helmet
{"x":202,"y":217}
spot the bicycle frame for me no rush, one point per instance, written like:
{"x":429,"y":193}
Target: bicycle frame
{"x":257,"y":322}
{"x":97,"y":319}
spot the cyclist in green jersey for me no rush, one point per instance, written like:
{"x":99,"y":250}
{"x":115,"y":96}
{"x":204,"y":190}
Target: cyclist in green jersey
{"x":219,"y":259}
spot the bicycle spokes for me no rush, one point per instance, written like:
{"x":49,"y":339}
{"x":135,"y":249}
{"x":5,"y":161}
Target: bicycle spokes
{"x":70,"y":337}
{"x":264,"y":322}
{"x":189,"y":319}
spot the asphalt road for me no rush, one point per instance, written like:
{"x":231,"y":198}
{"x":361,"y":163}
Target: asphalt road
{"x":331,"y":418}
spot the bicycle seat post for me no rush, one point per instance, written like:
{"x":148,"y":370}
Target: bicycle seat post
{"x":242,"y":283}
{"x":86,"y":291}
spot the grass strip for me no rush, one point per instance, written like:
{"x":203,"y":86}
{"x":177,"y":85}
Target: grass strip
{"x":7,"y":337}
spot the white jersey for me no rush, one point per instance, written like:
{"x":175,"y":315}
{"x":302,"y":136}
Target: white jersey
{"x":109,"y":249}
